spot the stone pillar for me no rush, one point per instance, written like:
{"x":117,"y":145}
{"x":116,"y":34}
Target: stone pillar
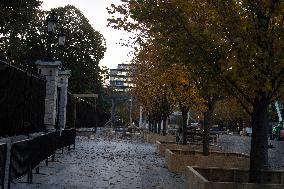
{"x":63,"y":77}
{"x":50,"y":71}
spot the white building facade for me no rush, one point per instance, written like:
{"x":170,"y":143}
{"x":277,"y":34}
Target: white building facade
{"x":121,"y":79}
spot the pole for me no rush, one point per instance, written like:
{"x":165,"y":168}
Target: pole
{"x":130,"y":112}
{"x":141,"y":116}
{"x":112,"y":111}
{"x":49,"y":45}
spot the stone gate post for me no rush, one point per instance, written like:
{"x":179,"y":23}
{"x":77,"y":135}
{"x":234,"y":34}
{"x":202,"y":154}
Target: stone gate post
{"x":50,"y":69}
{"x":63,"y":77}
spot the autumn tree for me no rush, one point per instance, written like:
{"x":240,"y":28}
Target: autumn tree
{"x":174,"y":81}
{"x":230,"y":113}
{"x":152,"y":93}
{"x":185,"y":93}
{"x":248,"y":33}
{"x":161,"y":26}
{"x":238,"y":42}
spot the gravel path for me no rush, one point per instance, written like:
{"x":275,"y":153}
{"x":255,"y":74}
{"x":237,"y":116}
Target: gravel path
{"x":106,"y":162}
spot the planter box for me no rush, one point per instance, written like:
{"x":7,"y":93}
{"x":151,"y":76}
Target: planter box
{"x":177,"y":160}
{"x":161,"y":147}
{"x":153,"y":137}
{"x":218,"y":178}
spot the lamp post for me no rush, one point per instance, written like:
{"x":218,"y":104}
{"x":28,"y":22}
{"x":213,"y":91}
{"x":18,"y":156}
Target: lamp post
{"x":163,"y":114}
{"x":51,"y":25}
{"x":51,"y":21}
{"x":130,"y":110}
{"x":56,"y":80}
{"x":61,"y":43}
{"x":61,"y":37}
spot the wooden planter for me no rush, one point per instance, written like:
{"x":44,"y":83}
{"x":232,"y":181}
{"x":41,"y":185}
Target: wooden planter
{"x":177,"y":160}
{"x":161,"y":147}
{"x":222,"y":178}
{"x":153,"y":137}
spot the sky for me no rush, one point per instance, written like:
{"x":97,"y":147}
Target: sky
{"x":95,"y":11}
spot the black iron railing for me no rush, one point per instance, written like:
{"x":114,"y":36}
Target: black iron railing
{"x":28,"y":154}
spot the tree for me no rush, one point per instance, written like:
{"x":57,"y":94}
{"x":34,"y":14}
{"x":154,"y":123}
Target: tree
{"x":248,"y":33}
{"x":230,"y":113}
{"x":184,"y":93}
{"x":173,"y":80}
{"x":15,"y":17}
{"x":84,"y":47}
{"x":161,"y":26}
{"x":236,"y":43}
{"x":152,"y":93}
{"x":23,"y":39}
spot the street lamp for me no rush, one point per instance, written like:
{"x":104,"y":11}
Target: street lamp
{"x":51,"y":20}
{"x":164,"y":101}
{"x":130,"y":110}
{"x":61,"y":38}
{"x":61,"y":43}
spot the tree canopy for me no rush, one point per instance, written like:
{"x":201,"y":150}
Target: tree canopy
{"x":236,"y":44}
{"x":82,"y":52}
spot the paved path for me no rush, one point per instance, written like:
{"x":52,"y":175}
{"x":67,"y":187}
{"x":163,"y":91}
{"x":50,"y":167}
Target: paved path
{"x":103,"y":163}
{"x":241,"y":144}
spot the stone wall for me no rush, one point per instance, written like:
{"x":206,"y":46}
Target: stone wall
{"x":177,"y":160}
{"x":161,"y":147}
{"x":218,"y":178}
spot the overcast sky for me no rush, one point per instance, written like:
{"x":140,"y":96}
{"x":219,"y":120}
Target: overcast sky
{"x":95,"y":11}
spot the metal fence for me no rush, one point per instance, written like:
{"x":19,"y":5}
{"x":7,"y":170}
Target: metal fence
{"x":22,"y":100}
{"x":27,"y":154}
{"x":89,"y":115}
{"x":70,"y":111}
{"x":3,"y":156}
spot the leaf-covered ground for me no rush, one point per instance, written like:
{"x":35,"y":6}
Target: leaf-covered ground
{"x":106,"y":161}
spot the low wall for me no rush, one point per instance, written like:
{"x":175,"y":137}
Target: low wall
{"x":177,"y":160}
{"x":218,"y":178}
{"x":153,"y":137}
{"x":161,"y":147}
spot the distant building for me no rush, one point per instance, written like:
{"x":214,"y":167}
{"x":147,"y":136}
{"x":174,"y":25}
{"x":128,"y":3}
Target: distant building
{"x":121,"y":79}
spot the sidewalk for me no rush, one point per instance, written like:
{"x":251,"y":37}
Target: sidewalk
{"x":102,"y":163}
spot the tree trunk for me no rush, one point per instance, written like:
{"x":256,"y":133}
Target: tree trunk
{"x":164,"y":126}
{"x":159,"y":127}
{"x":184,"y":126}
{"x":259,"y":141}
{"x":206,"y":126}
